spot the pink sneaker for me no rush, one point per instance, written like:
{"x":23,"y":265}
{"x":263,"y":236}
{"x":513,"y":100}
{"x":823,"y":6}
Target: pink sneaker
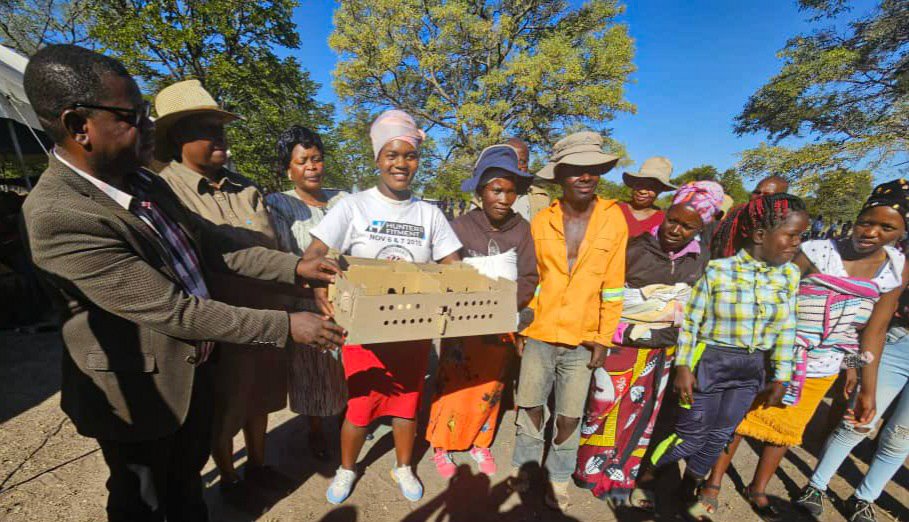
{"x":444,"y":464}
{"x":485,"y":461}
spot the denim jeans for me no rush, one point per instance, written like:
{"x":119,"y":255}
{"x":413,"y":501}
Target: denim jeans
{"x":893,"y":443}
{"x":543,"y":367}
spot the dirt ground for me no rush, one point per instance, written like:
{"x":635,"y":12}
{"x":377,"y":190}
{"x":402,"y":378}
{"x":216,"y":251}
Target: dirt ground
{"x":49,"y":473}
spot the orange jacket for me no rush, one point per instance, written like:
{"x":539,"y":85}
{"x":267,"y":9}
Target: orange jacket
{"x":584,"y":305}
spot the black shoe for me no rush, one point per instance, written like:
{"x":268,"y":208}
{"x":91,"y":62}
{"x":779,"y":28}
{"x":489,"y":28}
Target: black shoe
{"x":229,"y":486}
{"x":860,"y":510}
{"x":812,"y":501}
{"x":237,"y":494}
{"x":688,"y":487}
{"x":269,"y":479}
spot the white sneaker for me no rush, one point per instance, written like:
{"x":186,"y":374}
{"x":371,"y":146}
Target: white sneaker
{"x":408,"y":482}
{"x":341,"y":486}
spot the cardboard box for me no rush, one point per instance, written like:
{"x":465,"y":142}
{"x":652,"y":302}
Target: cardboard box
{"x":386,"y":301}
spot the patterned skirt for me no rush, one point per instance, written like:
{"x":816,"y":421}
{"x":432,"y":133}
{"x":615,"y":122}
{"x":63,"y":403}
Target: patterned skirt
{"x":316,"y":384}
{"x":465,"y":408}
{"x":625,"y":397}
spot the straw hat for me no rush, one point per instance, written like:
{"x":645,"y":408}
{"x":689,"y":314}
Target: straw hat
{"x":657,"y":168}
{"x":176,"y":101}
{"x":581,"y":149}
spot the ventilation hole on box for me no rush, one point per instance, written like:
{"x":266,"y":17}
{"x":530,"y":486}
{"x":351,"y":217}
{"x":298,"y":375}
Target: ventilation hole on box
{"x":429,"y":320}
{"x":473,"y":303}
{"x":490,"y":316}
{"x":394,"y":322}
{"x":495,"y":303}
{"x":382,"y":308}
{"x":408,"y":306}
{"x":392,"y":291}
{"x":421,"y":320}
{"x":483,"y":316}
{"x":385,"y":323}
{"x":458,"y":303}
{"x":418,"y":306}
{"x":413,"y":321}
{"x":460,"y":317}
{"x":400,"y":307}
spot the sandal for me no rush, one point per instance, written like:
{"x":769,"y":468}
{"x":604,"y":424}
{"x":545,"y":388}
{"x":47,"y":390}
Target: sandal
{"x":643,"y":499}
{"x":704,"y":509}
{"x":767,"y":512}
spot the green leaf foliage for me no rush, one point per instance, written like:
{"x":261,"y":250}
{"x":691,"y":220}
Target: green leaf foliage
{"x":228,"y":45}
{"x":846,"y":90}
{"x":476,"y":72}
{"x":837,"y":195}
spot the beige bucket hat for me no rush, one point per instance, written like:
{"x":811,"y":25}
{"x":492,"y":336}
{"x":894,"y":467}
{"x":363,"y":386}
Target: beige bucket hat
{"x":657,"y":168}
{"x":177,"y":101}
{"x":581,"y":149}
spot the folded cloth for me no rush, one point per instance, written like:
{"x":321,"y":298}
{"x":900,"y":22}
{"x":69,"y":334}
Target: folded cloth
{"x":655,"y":303}
{"x":651,"y":307}
{"x":504,"y":265}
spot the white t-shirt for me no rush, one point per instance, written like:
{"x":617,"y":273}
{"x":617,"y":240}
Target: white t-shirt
{"x":369,"y":224}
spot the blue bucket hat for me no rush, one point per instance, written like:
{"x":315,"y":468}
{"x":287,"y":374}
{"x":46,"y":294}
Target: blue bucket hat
{"x":503,"y":157}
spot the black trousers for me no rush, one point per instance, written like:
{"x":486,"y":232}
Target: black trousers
{"x":161,"y":479}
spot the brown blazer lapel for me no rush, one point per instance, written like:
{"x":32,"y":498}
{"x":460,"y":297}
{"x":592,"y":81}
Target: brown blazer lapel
{"x":86,"y":188}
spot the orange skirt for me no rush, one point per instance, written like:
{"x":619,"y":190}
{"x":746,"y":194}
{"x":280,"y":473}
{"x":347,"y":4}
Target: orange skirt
{"x":465,"y":408}
{"x":784,"y":425}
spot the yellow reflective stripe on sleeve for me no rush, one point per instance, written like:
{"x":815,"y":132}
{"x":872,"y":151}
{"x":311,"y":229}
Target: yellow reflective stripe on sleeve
{"x":536,"y":292}
{"x":612,"y":294}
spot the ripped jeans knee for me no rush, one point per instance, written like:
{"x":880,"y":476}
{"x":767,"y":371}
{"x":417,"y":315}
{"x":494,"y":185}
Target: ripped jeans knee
{"x":527,"y":421}
{"x":566,"y":430}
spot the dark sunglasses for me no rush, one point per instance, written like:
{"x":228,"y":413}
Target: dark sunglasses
{"x":136,"y":115}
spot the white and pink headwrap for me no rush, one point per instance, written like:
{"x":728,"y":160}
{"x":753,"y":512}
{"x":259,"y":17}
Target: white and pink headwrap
{"x":705,"y":197}
{"x":394,"y":125}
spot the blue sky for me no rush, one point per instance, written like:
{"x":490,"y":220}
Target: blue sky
{"x":698,"y":61}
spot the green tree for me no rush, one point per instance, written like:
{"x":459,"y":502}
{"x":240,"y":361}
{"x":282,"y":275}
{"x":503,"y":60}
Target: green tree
{"x":28,"y":25}
{"x":349,"y":160}
{"x":228,"y":45}
{"x":733,"y":186}
{"x":476,"y":72}
{"x":836,"y":195}
{"x":846,"y":89}
{"x":702,"y":173}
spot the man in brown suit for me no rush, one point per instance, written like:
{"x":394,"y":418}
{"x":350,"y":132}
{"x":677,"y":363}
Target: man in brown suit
{"x":128,"y":264}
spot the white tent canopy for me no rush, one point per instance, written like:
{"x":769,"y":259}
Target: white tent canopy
{"x":14,"y":106}
{"x":13,"y":103}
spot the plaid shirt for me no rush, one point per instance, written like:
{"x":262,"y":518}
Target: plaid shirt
{"x":742,"y":303}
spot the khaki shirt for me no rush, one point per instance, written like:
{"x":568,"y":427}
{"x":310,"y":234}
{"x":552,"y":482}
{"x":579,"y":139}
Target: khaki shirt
{"x":233,"y":201}
{"x":236,"y":204}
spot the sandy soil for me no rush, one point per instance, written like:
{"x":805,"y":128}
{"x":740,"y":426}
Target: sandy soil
{"x":50,"y":473}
